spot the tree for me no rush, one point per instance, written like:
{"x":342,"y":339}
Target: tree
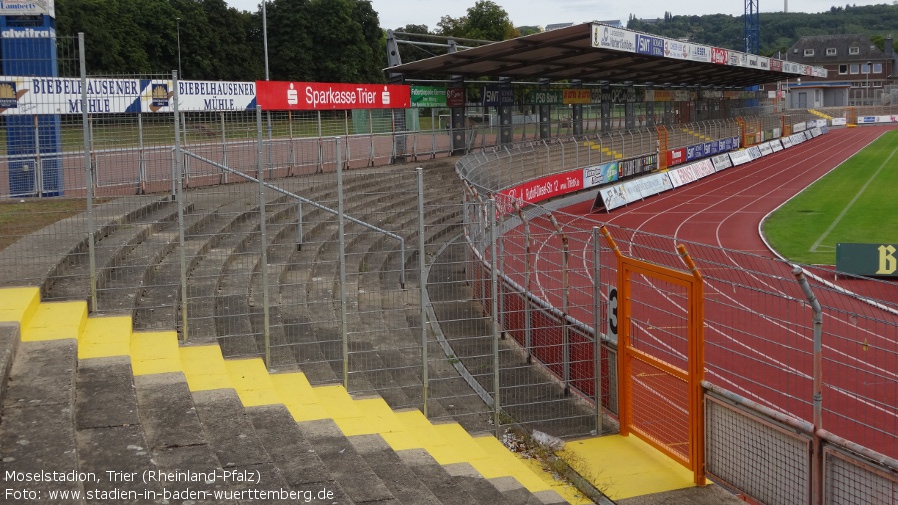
{"x":488,"y":21}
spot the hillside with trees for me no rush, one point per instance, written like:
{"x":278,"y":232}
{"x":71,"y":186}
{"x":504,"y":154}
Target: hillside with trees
{"x":343,"y":40}
{"x":778,"y":30}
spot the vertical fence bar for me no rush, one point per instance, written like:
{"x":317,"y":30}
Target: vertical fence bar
{"x":224,"y":149}
{"x":817,"y":461}
{"x":88,"y":178}
{"x":299,"y":237}
{"x":38,"y":162}
{"x":344,"y":321}
{"x":565,"y":327}
{"x":528,"y":315}
{"x":263,"y":232}
{"x":141,"y":157}
{"x":598,"y":378}
{"x":422,"y":287}
{"x":180,"y":197}
{"x":494,"y":308}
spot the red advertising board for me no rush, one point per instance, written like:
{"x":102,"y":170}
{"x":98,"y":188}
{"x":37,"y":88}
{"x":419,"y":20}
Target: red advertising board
{"x":282,"y":95}
{"x":455,"y":97}
{"x":540,"y":189}
{"x":719,"y":56}
{"x":676,"y":156}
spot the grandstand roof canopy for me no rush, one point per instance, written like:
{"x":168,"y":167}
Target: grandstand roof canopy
{"x":572,"y":53}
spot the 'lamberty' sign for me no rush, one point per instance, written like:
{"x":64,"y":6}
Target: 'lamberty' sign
{"x":282,"y":95}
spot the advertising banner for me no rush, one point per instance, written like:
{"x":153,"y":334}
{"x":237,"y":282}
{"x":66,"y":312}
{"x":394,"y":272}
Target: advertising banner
{"x":428,"y":96}
{"x":645,"y":187}
{"x":609,"y":37}
{"x":27,"y":8}
{"x":540,"y":189}
{"x":652,"y":46}
{"x":611,"y":197}
{"x":700,"y":53}
{"x":867,"y":259}
{"x":198,"y":96}
{"x":691,"y":173}
{"x":283,"y":95}
{"x":722,"y":162}
{"x":636,"y":166}
{"x":495,"y":96}
{"x":597,"y":175}
{"x":576,"y":96}
{"x":543,"y":97}
{"x":52,"y":95}
{"x":676,"y":156}
{"x":676,"y":49}
{"x":787,"y":142}
{"x":740,"y":157}
{"x":455,"y":97}
{"x":719,"y":56}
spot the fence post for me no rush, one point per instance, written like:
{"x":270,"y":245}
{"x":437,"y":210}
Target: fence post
{"x":422,"y":286}
{"x":565,"y":328}
{"x":263,"y":232}
{"x":494,"y":309}
{"x":817,"y":460}
{"x":89,"y":178}
{"x":528,"y":315}
{"x":598,"y":378}
{"x":344,"y":330}
{"x":179,"y":191}
{"x":224,"y":149}
{"x":141,"y":158}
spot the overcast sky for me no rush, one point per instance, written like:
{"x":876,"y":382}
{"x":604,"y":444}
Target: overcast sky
{"x":398,"y":13}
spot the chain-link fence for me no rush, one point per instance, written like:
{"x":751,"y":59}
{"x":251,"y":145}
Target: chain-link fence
{"x":272,"y":235}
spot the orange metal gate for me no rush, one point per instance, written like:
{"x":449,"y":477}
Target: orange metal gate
{"x":660,"y":357}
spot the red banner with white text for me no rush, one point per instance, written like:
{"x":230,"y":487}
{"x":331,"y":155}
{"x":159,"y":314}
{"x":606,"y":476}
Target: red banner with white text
{"x":283,"y":95}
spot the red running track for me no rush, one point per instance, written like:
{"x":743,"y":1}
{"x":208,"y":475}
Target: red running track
{"x":758,"y":330}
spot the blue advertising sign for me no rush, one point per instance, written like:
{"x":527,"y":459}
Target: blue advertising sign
{"x":494,"y":96}
{"x":652,"y":46}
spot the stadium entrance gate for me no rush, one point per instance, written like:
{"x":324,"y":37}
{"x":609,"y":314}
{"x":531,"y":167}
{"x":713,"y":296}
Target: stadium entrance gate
{"x":660,"y":356}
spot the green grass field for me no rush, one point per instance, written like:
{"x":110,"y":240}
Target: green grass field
{"x":853,"y":203}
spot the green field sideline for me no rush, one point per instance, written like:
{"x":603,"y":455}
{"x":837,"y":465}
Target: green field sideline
{"x":853,"y":203}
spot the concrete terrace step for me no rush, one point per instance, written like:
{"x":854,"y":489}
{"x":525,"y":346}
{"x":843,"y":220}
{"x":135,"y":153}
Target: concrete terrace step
{"x":113,"y":399}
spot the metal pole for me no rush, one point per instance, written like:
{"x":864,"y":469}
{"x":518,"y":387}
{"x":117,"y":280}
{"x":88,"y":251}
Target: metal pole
{"x":267,"y":76}
{"x":598,"y":378}
{"x":141,"y":157}
{"x":817,"y":460}
{"x":528,"y":314}
{"x":224,"y":148}
{"x":565,"y":328}
{"x":494,"y":306}
{"x":342,"y":254}
{"x":263,"y":232}
{"x":422,"y":287}
{"x":89,"y":178}
{"x":180,"y":197}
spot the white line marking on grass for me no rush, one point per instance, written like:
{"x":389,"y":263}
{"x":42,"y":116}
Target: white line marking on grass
{"x":847,"y":207}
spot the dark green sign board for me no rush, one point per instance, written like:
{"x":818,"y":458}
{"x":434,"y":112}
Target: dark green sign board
{"x":867,"y":259}
{"x":546,"y":97}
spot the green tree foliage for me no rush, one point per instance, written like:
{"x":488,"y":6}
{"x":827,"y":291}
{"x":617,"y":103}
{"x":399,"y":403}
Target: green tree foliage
{"x":312,"y":40}
{"x":486,"y":20}
{"x":778,"y":30}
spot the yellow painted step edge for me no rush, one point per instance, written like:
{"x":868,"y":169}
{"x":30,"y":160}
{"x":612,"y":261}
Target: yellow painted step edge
{"x":159,"y":352}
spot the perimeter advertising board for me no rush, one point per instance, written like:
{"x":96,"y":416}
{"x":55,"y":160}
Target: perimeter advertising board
{"x":867,"y":259}
{"x":428,"y":96}
{"x":285,"y":95}
{"x":28,"y":8}
{"x":52,"y":95}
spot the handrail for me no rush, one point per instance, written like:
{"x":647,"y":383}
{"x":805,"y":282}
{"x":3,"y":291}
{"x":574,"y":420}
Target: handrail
{"x":313,"y":204}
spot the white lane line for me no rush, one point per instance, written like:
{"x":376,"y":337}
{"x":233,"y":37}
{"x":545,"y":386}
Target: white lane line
{"x":848,"y":207}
